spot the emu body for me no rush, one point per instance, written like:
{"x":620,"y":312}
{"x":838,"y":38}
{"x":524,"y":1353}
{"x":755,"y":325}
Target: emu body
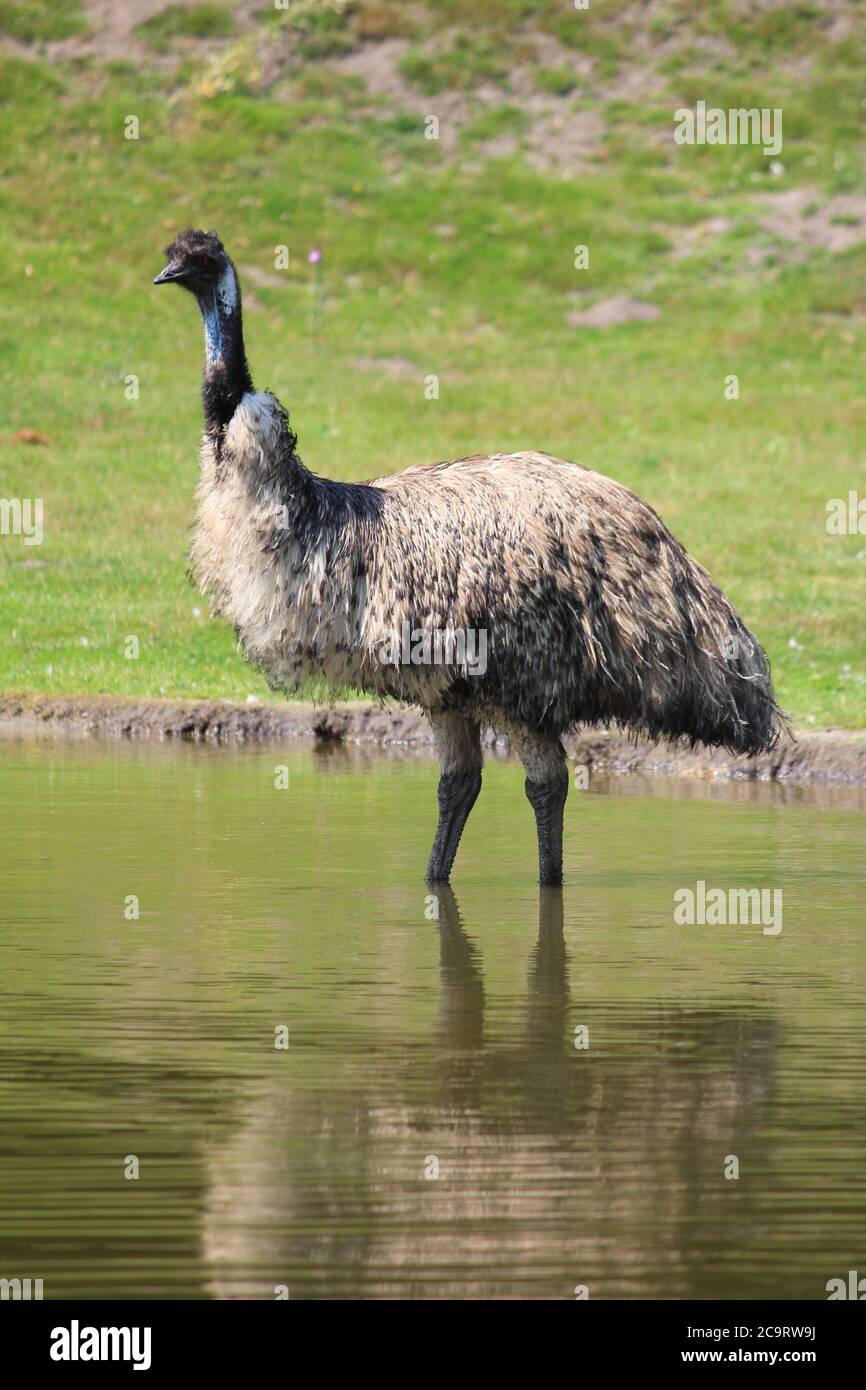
{"x":591,"y":611}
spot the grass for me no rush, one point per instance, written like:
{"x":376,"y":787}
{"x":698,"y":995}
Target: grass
{"x":466,"y":62}
{"x":32,"y":21}
{"x":204,"y":21}
{"x":558,"y":81}
{"x":304,"y":158}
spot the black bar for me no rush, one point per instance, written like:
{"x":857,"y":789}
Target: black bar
{"x":225,"y":1338}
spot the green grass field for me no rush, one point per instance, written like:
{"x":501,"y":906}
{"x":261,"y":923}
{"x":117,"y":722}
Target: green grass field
{"x":451,"y":257}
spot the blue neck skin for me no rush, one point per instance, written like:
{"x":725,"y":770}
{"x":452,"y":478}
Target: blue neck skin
{"x":220,"y":310}
{"x":213,"y":328}
{"x":226,"y":374}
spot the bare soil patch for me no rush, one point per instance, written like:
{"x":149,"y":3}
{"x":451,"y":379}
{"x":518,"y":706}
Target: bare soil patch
{"x":398,"y":367}
{"x":607,"y":312}
{"x":802,"y":217}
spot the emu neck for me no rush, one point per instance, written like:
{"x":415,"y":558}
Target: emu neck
{"x":226,"y":374}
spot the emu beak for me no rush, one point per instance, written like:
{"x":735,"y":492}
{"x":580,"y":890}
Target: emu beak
{"x":165,"y":277}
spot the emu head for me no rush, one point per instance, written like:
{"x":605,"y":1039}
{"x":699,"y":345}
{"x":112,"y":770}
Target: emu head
{"x":198,"y":261}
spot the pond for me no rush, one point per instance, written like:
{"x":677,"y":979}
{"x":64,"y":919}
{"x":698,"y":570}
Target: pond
{"x":246,"y":1052}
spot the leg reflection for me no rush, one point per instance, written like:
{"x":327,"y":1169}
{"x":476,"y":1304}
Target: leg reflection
{"x":462,"y":1002}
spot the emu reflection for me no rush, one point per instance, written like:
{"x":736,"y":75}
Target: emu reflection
{"x":606,"y":1162}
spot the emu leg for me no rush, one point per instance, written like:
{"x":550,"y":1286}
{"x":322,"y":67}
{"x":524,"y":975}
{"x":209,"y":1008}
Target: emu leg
{"x":458,"y":792}
{"x":543,"y":758}
{"x":547,"y":800}
{"x":458,"y":743}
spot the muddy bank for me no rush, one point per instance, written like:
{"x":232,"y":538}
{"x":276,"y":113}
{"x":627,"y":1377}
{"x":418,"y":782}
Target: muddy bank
{"x":825,"y":757}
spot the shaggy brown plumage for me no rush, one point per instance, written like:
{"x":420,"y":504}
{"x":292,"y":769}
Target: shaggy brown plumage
{"x":591,"y":611}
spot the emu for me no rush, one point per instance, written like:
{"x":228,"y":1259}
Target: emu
{"x":592,"y":612}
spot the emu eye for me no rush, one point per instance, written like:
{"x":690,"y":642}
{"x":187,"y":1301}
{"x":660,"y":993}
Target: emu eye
{"x":202,"y":258}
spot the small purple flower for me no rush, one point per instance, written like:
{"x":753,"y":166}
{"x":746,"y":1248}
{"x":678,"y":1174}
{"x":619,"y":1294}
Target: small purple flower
{"x":315,"y":256}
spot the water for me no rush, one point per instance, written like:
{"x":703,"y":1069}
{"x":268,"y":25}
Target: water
{"x":415,"y":1043}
